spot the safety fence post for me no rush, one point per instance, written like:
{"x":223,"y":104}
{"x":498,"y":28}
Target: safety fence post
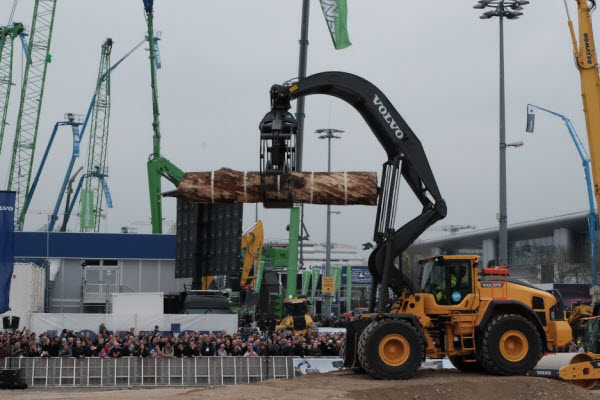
{"x":222,"y":369}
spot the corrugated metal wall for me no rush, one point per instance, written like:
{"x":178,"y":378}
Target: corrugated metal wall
{"x":136,"y":275}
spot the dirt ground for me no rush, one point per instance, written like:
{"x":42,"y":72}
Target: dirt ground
{"x":444,"y":384}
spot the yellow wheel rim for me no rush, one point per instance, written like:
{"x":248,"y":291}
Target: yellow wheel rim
{"x":394,"y":350}
{"x":514,"y":346}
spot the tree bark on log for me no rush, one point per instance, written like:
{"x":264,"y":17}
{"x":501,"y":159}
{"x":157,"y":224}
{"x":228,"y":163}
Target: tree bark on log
{"x":229,"y":186}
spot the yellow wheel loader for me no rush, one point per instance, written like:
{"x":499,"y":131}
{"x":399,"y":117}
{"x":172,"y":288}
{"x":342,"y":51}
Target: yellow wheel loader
{"x":297,"y":319}
{"x":481,"y":319}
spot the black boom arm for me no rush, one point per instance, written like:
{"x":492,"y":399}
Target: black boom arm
{"x":406,"y":158}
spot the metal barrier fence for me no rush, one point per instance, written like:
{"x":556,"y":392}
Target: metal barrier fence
{"x":160,"y":371}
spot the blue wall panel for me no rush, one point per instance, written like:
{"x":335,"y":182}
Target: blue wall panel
{"x":94,"y":245}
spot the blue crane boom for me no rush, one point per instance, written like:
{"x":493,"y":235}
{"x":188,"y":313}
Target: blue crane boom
{"x":585,"y":161}
{"x":101,"y":79}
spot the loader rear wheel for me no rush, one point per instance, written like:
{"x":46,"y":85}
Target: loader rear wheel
{"x":390,"y":349}
{"x":510,"y":345}
{"x":463,"y":366}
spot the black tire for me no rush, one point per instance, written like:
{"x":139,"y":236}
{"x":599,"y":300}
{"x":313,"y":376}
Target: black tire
{"x":369,"y":349}
{"x":357,"y":368}
{"x":460,"y":364}
{"x":490,"y":355}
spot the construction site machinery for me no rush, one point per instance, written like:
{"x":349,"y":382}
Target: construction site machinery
{"x":585,"y":162}
{"x":32,"y":94}
{"x":582,"y":368}
{"x":296,"y":319}
{"x":577,"y":316}
{"x":586,"y":61}
{"x":251,"y":271}
{"x":158,"y":166}
{"x":98,"y":111}
{"x":8,"y":34}
{"x":72,"y":120}
{"x":252,"y":268}
{"x":487,"y":322}
{"x":96,"y":165}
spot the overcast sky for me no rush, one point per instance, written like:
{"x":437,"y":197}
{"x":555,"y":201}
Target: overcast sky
{"x":435,"y":60}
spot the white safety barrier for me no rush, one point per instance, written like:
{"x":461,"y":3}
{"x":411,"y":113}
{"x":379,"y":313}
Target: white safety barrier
{"x":159,"y":371}
{"x":42,"y":322}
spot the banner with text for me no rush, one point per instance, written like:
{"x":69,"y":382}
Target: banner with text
{"x":7,"y":246}
{"x":336,"y":16}
{"x":87,"y":209}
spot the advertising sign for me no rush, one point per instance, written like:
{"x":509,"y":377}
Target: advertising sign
{"x":360,"y":275}
{"x":305,"y":366}
{"x":88,"y":221}
{"x":7,"y":246}
{"x":328,"y":284}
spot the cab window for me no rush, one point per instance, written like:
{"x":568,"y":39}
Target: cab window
{"x":448,"y":280}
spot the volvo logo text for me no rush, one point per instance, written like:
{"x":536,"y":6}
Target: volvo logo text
{"x":388,"y":118}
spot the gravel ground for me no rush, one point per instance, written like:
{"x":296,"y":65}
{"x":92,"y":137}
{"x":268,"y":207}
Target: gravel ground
{"x":444,"y":384}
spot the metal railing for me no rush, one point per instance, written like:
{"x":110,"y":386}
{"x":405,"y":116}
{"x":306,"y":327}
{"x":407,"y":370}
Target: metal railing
{"x":159,"y":371}
{"x":99,"y":291}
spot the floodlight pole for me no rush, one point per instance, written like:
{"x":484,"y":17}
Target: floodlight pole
{"x":503,"y":220}
{"x":501,"y":9}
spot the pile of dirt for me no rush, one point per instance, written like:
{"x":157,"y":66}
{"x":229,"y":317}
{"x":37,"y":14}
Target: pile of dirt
{"x":438,"y":385}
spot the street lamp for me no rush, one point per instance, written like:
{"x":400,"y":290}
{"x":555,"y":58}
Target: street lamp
{"x":328,"y":134}
{"x":509,"y":9}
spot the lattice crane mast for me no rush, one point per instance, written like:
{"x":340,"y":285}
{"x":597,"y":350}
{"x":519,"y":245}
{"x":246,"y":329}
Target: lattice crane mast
{"x":8,"y":34}
{"x":96,"y":165}
{"x":32,"y":93}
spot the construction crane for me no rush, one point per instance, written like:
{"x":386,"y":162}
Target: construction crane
{"x":77,"y":139}
{"x":585,"y":162}
{"x":32,"y":93}
{"x":158,"y":166}
{"x":7,"y":38}
{"x":96,"y":166}
{"x":587,"y":64}
{"x":74,"y":122}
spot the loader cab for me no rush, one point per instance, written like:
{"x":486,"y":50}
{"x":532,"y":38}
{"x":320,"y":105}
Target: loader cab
{"x":449,"y":279}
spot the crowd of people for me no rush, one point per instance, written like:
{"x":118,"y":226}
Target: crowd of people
{"x":247,"y":343}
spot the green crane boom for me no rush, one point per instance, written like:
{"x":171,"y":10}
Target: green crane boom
{"x":30,"y":107}
{"x":96,"y":165}
{"x":7,"y":39}
{"x":158,"y":166}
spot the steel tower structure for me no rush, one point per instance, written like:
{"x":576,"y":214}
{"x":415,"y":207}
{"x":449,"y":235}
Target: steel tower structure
{"x":7,"y":38}
{"x":32,"y":93}
{"x":96,"y":166}
{"x":158,"y":166}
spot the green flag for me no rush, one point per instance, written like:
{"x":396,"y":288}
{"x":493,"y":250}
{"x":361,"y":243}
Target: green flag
{"x":337,"y":274}
{"x":305,"y":281}
{"x":316,"y":273}
{"x":87,"y":210}
{"x":336,"y":16}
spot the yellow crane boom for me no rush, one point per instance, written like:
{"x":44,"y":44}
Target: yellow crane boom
{"x":587,"y":64}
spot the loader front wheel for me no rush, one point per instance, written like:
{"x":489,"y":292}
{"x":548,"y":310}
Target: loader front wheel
{"x":510,"y":345}
{"x":390,"y":349}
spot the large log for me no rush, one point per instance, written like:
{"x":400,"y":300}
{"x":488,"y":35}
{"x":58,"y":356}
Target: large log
{"x":229,"y":186}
